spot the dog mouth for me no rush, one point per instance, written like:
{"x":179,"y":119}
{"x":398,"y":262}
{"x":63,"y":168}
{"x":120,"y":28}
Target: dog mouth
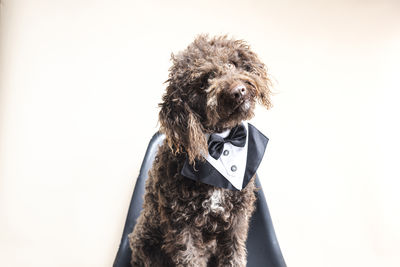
{"x":238,"y":105}
{"x":230,"y":115}
{"x":242,"y":106}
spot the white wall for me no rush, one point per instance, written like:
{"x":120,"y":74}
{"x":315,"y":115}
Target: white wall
{"x":80,"y":83}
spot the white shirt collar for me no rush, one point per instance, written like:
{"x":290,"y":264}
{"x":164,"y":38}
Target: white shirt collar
{"x":232,"y":162}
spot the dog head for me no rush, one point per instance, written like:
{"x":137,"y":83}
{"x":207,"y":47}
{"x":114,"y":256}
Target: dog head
{"x":213,"y":85}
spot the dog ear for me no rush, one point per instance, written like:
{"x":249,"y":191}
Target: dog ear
{"x":258,"y":71}
{"x":263,"y":91}
{"x":181,"y":126}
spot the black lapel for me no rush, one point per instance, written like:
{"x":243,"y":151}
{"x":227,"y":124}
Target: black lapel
{"x":255,"y":152}
{"x":204,"y":172}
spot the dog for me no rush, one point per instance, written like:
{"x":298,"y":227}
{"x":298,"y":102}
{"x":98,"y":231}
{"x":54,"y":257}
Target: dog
{"x":193,"y":215}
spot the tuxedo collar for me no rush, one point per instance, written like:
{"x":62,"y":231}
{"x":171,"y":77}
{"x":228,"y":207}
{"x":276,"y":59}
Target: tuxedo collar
{"x":221,"y":173}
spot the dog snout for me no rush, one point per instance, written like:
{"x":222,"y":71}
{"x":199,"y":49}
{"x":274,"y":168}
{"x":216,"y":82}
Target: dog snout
{"x":239,"y":92}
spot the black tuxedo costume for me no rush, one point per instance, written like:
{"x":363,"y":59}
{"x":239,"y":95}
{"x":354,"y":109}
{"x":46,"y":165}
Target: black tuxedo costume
{"x":205,"y":172}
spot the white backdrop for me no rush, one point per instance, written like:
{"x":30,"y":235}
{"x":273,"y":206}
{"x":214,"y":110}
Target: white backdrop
{"x":80,"y":83}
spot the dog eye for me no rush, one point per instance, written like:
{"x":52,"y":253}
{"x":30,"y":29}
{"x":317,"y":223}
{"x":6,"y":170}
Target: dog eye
{"x":205,"y":78}
{"x":230,"y":65}
{"x":249,"y":83}
{"x":247,"y":68}
{"x":208,"y":75}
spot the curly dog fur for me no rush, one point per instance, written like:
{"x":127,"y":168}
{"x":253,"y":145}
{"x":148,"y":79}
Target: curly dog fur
{"x":184,"y":222}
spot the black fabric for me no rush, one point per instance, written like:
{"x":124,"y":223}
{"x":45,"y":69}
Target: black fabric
{"x":256,"y":149}
{"x":262,"y":245}
{"x":204,"y":172}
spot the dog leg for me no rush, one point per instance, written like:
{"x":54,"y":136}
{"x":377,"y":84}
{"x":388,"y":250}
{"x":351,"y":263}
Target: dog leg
{"x":231,"y":244}
{"x":146,"y":239}
{"x":145,"y":242}
{"x":186,"y":248}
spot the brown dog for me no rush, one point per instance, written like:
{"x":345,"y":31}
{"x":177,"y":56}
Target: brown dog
{"x":213,"y":86}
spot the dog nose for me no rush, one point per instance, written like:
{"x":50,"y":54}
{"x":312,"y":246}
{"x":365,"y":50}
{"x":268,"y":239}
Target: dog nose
{"x":239,"y":92}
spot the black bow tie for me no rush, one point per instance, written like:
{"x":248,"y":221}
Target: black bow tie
{"x":236,"y":137}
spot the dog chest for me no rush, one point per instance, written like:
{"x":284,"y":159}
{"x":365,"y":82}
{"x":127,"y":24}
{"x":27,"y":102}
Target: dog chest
{"x":215,"y":203}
